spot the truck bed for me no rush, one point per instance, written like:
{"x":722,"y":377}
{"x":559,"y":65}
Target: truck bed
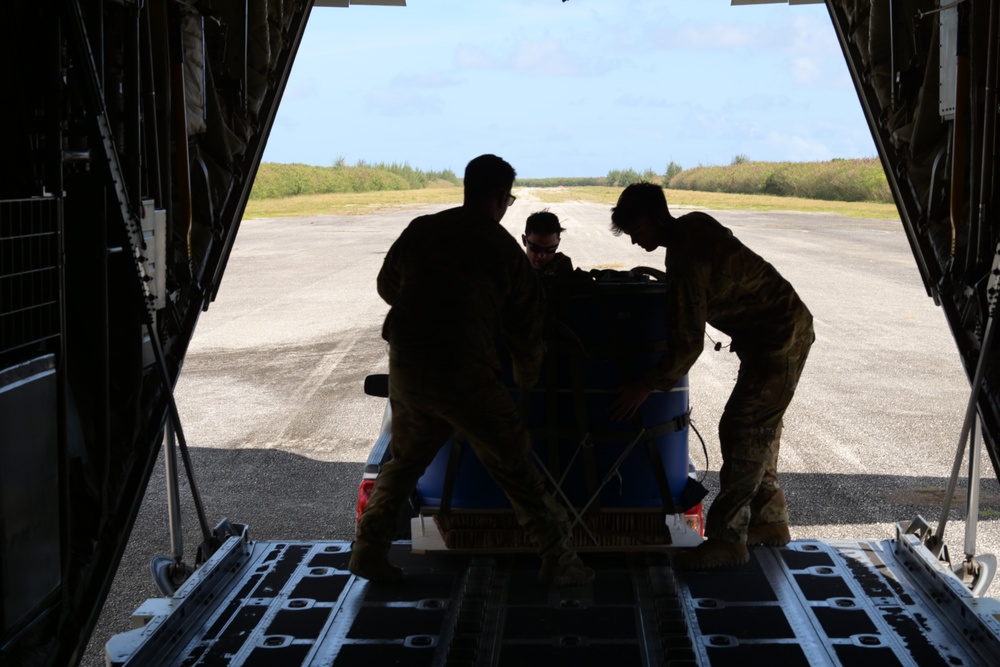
{"x":811,"y":603}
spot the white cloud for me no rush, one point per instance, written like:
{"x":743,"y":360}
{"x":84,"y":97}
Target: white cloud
{"x":642,"y":101}
{"x":396,"y":102}
{"x":715,"y":37}
{"x":813,"y":37}
{"x":424,"y":80}
{"x":790,"y":36}
{"x":545,"y":56}
{"x":816,"y":56}
{"x":559,"y":134}
{"x":472,"y":57}
{"x":755,"y":103}
{"x":806,"y":71}
{"x":798,"y":148}
{"x":301,"y":89}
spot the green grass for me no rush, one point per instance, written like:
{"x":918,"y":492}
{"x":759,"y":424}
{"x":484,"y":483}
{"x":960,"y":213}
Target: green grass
{"x":725,"y":201}
{"x":836,"y":180}
{"x":360,"y":203}
{"x":275,"y":180}
{"x":853,"y":188}
{"x":350,"y":203}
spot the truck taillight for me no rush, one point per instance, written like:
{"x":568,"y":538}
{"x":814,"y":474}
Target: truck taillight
{"x":364,"y":495}
{"x":694,"y":519}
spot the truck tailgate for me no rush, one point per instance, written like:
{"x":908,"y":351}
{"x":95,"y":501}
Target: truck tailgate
{"x":810,"y":603}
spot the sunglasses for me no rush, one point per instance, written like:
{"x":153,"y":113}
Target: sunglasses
{"x":511,"y":199}
{"x":542,"y":249}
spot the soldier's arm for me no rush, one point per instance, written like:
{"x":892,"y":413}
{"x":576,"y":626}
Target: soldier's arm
{"x":390,"y":277}
{"x":524,"y":320}
{"x":686,"y":311}
{"x":565,"y":264}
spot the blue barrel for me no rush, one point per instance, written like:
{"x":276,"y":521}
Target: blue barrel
{"x":601,"y":334}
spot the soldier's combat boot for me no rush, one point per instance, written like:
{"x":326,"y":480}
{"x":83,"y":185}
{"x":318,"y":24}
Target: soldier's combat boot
{"x":372,"y":563}
{"x":768,"y":534}
{"x":712,"y":554}
{"x":568,"y":570}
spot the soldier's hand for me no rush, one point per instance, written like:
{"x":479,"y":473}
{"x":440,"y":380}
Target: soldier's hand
{"x":631,"y":399}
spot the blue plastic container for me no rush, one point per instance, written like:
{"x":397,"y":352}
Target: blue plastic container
{"x":601,"y":335}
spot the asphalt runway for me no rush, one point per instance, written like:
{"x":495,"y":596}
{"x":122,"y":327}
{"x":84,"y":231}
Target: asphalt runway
{"x":272,"y":404}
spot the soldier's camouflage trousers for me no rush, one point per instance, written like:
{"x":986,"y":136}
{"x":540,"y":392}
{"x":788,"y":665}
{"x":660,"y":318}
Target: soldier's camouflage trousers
{"x":432,"y":398}
{"x":750,"y":439}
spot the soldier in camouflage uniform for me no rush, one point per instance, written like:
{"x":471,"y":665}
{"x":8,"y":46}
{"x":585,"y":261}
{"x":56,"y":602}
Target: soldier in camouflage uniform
{"x":712,"y":277}
{"x":444,"y":368}
{"x":541,"y":237}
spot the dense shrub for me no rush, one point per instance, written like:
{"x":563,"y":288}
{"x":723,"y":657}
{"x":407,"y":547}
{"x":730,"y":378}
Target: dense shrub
{"x":623,"y":177}
{"x":286,"y":180}
{"x":414,"y":177}
{"x":444,"y":175}
{"x":417,"y":178}
{"x":836,"y":180}
{"x":672,"y":170}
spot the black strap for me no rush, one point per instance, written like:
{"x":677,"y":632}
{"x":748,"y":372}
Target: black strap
{"x":661,"y":477}
{"x":676,"y":424}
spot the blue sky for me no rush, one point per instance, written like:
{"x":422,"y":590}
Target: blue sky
{"x":569,"y":89}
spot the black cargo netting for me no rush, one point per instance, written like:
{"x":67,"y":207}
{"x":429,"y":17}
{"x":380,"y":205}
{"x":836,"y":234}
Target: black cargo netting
{"x":29,"y":272}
